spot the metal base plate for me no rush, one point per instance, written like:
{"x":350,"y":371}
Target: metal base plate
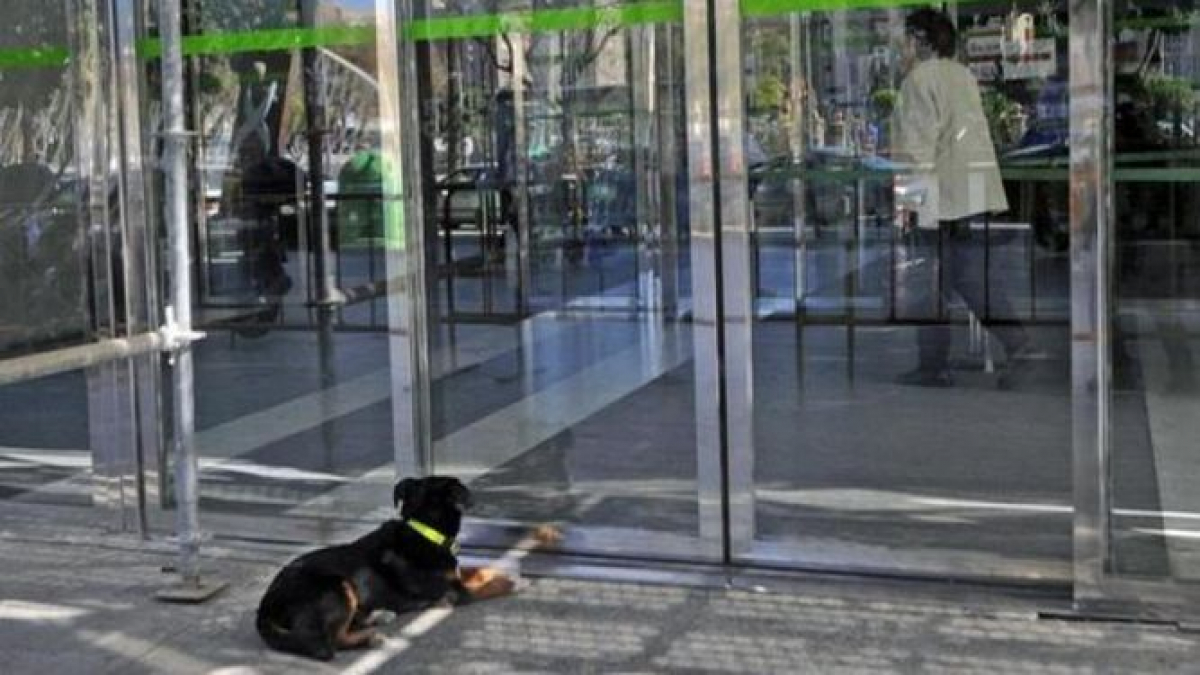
{"x":190,"y":592}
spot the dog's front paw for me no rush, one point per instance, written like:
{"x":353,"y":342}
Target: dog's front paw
{"x":382,"y":617}
{"x":547,"y":535}
{"x":484,"y":583}
{"x":376,"y":641}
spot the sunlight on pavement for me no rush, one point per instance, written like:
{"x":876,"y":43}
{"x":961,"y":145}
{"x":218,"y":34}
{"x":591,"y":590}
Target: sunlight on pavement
{"x":39,"y":612}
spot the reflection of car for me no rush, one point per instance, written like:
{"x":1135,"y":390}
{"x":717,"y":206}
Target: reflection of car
{"x":463,"y":195}
{"x":830,"y":177}
{"x":611,"y":201}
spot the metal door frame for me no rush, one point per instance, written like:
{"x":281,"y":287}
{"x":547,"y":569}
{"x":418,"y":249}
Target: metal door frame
{"x":1098,"y":588}
{"x":1094,"y":585}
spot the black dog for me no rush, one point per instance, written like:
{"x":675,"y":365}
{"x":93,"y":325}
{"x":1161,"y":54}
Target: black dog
{"x":321,"y":601}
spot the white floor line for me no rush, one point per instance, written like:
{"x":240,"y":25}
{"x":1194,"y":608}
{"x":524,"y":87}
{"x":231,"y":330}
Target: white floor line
{"x":1169,"y":534}
{"x":482,"y":446}
{"x":218,"y":446}
{"x":261,"y":428}
{"x":1173,"y":431}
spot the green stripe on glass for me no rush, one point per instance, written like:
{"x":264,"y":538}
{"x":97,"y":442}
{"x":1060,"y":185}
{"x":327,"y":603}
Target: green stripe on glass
{"x":486,"y":25}
{"x":280,"y":39}
{"x":774,"y":7}
{"x":38,"y":57}
{"x":546,"y":20}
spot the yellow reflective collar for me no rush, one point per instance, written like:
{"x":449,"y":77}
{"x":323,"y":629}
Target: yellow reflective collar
{"x":433,"y":535}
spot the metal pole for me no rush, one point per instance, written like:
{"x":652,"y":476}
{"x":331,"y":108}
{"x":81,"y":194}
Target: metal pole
{"x":314,"y":108}
{"x":179,"y":313}
{"x":59,"y":361}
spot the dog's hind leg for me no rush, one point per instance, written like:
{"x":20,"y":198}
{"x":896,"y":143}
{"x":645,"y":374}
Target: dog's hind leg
{"x":347,"y":637}
{"x":360,"y":639}
{"x":309,"y":637}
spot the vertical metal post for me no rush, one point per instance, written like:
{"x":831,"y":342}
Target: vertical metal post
{"x":737,"y":274}
{"x":800,"y":86}
{"x":179,"y":313}
{"x":404,"y":194}
{"x":642,"y":56}
{"x":110,"y":413}
{"x":699,"y":118}
{"x":520,"y":141}
{"x":314,"y":114}
{"x":142,"y":293}
{"x":1091,"y":89}
{"x":669,"y":154}
{"x":324,"y":267}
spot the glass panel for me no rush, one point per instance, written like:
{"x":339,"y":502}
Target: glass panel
{"x":293,"y":382}
{"x":562,"y":378}
{"x":911,"y":358}
{"x":1156,"y":312}
{"x":42,"y":248}
{"x":44,"y":444}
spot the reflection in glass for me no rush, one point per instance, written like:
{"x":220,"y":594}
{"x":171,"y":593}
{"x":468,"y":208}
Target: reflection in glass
{"x":42,"y":249}
{"x":562,"y":382}
{"x":1155,"y":319}
{"x":911,"y":354}
{"x":293,"y":380}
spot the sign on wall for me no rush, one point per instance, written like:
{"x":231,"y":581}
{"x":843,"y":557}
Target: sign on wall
{"x":993,"y":54}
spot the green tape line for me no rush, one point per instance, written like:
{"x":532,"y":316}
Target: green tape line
{"x":38,"y":57}
{"x":485,"y":25}
{"x":278,"y":39}
{"x":774,"y":7}
{"x":546,"y":20}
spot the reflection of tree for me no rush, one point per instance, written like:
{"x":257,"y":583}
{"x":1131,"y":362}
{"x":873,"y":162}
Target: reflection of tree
{"x":40,"y":242}
{"x":34,"y":101}
{"x":769,"y":50}
{"x":572,"y":53}
{"x":250,"y":105}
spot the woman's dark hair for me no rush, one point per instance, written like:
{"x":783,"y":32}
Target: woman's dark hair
{"x":934,"y":29}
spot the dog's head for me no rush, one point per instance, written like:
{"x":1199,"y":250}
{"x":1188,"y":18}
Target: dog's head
{"x":437,"y":501}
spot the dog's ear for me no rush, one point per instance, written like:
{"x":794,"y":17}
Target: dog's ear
{"x":460,"y":496}
{"x":404,"y":491}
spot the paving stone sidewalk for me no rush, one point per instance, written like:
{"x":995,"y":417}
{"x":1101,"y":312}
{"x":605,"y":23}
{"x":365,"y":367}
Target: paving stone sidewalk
{"x":85,"y":605}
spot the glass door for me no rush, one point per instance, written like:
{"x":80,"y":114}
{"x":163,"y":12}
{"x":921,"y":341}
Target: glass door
{"x":908,"y":236}
{"x":1144,"y":542}
{"x":299,"y":383}
{"x":565,"y":369}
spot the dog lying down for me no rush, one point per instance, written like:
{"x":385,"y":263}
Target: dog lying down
{"x":325,"y":600}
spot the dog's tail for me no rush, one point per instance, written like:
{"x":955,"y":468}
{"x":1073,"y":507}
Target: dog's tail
{"x":286,"y":639}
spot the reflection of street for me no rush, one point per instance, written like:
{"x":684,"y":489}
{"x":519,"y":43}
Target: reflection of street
{"x":865,"y":270}
{"x":842,"y":459}
{"x":563,"y":275}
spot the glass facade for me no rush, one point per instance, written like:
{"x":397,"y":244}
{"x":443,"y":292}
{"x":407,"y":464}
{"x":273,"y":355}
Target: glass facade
{"x":863,"y":286}
{"x":42,"y":264}
{"x":911,"y":361}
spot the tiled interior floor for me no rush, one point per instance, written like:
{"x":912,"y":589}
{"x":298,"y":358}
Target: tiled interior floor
{"x":592,"y":421}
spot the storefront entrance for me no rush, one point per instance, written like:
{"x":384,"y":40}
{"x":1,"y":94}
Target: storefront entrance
{"x":660,"y":273}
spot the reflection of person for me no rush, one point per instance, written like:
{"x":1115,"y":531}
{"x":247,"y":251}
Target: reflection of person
{"x":258,"y":98}
{"x":504,"y":127}
{"x":755,"y":158}
{"x":266,"y":187}
{"x":952,"y":181}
